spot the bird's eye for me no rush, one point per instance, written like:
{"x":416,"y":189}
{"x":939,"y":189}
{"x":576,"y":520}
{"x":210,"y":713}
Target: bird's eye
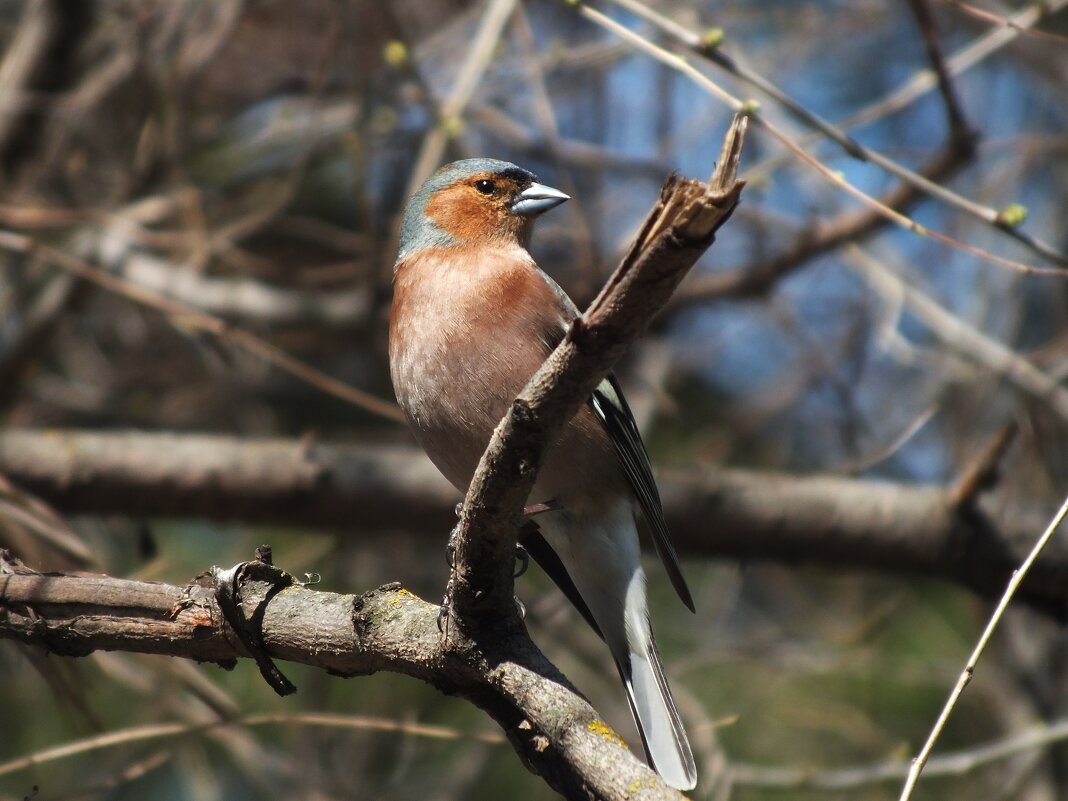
{"x":486,"y":187}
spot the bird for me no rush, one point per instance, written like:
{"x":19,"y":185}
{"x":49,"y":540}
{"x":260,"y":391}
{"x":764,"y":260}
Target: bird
{"x":471,"y":320}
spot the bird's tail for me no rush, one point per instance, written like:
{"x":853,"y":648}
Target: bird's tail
{"x":654,"y":709}
{"x":598,"y":564}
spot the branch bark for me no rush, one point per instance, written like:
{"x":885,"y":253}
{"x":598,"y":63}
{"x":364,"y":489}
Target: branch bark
{"x":555,"y":731}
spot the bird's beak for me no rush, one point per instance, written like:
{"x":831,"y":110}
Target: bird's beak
{"x":537,"y":199}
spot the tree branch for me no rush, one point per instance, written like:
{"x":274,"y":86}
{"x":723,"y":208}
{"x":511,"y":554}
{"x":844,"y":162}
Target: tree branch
{"x":556,"y":733}
{"x":363,"y":489}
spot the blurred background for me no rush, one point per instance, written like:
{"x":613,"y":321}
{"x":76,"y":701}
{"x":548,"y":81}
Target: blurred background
{"x":189,"y":188}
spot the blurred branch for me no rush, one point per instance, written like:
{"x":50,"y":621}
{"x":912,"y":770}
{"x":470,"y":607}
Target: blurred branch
{"x":711,"y":50}
{"x":242,"y":299}
{"x":757,"y":278}
{"x":553,"y":729}
{"x":184,"y":315}
{"x":962,"y":60}
{"x":28,"y":50}
{"x":365,"y":489}
{"x":565,"y":151}
{"x":33,"y":328}
{"x":164,"y":731}
{"x":958,"y":124}
{"x":25,"y":510}
{"x":35,"y":66}
{"x":960,"y":336}
{"x":957,"y":763}
{"x":452,"y":107}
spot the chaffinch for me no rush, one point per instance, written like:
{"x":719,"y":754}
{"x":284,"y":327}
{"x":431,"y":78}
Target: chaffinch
{"x":473,"y":318}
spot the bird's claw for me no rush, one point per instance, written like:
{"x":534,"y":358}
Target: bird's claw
{"x":522,"y":561}
{"x":450,"y":548}
{"x":443,"y":616}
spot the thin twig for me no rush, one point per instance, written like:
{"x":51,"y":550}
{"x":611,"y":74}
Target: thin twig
{"x":1008,"y":22}
{"x":969,"y":669}
{"x":962,"y":60}
{"x":715,"y":54}
{"x":156,"y":731}
{"x":758,"y":277}
{"x":682,"y":66}
{"x":924,"y":81}
{"x":463,"y":89}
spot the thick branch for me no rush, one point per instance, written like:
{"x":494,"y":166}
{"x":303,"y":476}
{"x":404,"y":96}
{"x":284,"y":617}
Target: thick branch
{"x":554,"y":730}
{"x":365,"y":489}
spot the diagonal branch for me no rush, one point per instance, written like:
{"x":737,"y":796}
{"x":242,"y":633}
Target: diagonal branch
{"x":676,"y":233}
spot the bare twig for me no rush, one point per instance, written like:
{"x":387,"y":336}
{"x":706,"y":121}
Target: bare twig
{"x":835,"y":178}
{"x":925,"y":81}
{"x":715,"y":54}
{"x":756,"y":278}
{"x":962,"y":60}
{"x":1011,"y":23}
{"x":969,"y":668}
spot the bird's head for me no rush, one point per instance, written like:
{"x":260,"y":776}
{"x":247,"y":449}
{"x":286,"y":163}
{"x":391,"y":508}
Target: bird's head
{"x":475,"y":201}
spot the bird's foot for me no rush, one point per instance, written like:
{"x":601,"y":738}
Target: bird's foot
{"x":450,"y":548}
{"x":443,"y":616}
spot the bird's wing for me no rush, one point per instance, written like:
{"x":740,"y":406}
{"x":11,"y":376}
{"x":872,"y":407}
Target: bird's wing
{"x":610,"y":407}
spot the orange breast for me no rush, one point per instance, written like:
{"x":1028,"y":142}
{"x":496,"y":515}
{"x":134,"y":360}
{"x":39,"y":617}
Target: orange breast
{"x":467,"y":331}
